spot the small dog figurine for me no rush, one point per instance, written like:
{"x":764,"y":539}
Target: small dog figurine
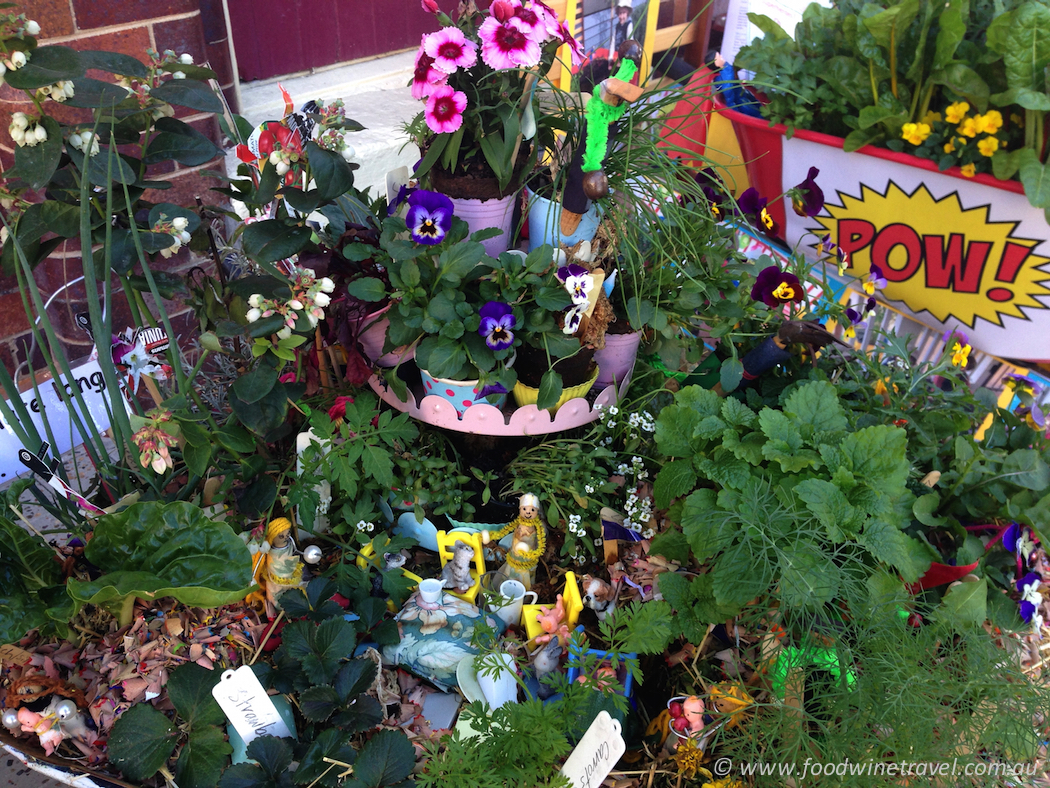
{"x":456,"y":574}
{"x":599,"y":596}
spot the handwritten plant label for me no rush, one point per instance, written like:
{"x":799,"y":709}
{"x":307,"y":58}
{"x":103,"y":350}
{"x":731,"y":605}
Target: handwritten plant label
{"x":596,"y":754}
{"x":247,"y":706}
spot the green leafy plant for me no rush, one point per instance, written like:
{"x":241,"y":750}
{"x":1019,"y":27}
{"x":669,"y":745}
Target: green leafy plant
{"x":153,"y":550}
{"x":143,"y":739}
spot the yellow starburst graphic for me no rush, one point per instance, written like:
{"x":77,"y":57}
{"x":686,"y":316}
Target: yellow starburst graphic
{"x":937,"y":256}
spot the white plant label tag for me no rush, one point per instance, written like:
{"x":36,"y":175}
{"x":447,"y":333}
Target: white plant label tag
{"x":596,"y":754}
{"x":247,"y":706}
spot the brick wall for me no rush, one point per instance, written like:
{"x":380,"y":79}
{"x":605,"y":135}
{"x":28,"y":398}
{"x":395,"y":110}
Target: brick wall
{"x":196,"y":27}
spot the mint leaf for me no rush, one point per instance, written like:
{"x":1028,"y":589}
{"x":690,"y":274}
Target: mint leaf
{"x":703,"y":401}
{"x":778,"y":427}
{"x":877,"y":455}
{"x":674,"y":480}
{"x":748,"y":448}
{"x":708,"y":529}
{"x":737,"y":413}
{"x":829,"y":506}
{"x":674,"y":430}
{"x":897,"y":549}
{"x":809,"y":578}
{"x":817,"y":409}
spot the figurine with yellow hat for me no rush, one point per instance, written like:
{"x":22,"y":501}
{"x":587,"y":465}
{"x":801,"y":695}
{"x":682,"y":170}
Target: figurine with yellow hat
{"x":277,"y":564}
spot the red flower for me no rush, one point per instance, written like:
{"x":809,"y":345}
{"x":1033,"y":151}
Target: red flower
{"x":338,"y":410}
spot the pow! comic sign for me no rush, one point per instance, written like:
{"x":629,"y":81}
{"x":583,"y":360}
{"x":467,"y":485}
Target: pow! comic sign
{"x":955,"y":253}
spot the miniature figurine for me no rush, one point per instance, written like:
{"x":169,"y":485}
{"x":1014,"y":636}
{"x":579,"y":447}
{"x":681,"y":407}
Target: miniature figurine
{"x":599,"y":596}
{"x":529,"y":542}
{"x":276,"y":565}
{"x":391,"y":561}
{"x":546,"y":660}
{"x":553,"y":622}
{"x":687,"y":718}
{"x":456,"y":573}
{"x":57,"y":722}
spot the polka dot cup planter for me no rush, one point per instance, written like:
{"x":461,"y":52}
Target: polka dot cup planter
{"x":460,"y":393}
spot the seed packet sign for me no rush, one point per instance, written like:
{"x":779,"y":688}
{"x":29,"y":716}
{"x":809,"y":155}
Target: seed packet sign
{"x":596,"y":754}
{"x":956,"y":252}
{"x":92,"y":386}
{"x":247,"y":706}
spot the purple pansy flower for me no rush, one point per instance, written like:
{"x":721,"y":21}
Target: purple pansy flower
{"x":807,"y":198}
{"x":751,"y":202}
{"x":578,"y":282}
{"x":403,"y":193}
{"x":853,"y":315}
{"x":774,"y":287}
{"x":960,"y":336}
{"x":497,"y":325}
{"x":876,"y":280}
{"x":1010,"y":537}
{"x":1028,"y":587}
{"x":573,"y":318}
{"x":429,"y":217}
{"x":490,"y":389}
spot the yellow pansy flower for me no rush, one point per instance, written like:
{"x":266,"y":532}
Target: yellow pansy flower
{"x":990,"y":122}
{"x":849,"y":332}
{"x":960,"y":354}
{"x":880,"y":387}
{"x":915,"y":133}
{"x":949,"y":147}
{"x":968,"y":170}
{"x":988,"y":146}
{"x":968,"y":128}
{"x":956,"y":112}
{"x":931,"y":117}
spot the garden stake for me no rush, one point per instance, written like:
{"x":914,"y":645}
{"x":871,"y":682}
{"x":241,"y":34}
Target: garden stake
{"x":266,"y":637}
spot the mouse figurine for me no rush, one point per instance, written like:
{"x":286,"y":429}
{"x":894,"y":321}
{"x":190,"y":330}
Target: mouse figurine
{"x":599,"y":596}
{"x":546,"y":660}
{"x":391,"y":561}
{"x":456,"y":573}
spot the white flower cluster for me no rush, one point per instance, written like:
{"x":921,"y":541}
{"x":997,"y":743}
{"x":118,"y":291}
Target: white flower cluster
{"x":186,"y":60}
{"x":365,"y":526}
{"x":176,"y":228}
{"x":308,"y":293}
{"x":25,"y":134}
{"x":576,"y":527}
{"x":636,"y":469}
{"x":639,"y":511}
{"x":641,"y":422}
{"x":59,"y":92}
{"x":578,"y":556}
{"x":84,"y":141}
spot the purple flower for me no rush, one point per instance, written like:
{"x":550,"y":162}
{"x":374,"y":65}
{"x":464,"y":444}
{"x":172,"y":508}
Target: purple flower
{"x":490,"y":389}
{"x":1027,"y":611}
{"x":578,"y":282}
{"x":960,"y":336}
{"x":774,"y":287}
{"x":1038,"y":417}
{"x":403,"y":193}
{"x":429,"y":217}
{"x":853,"y":315}
{"x":497,"y":325}
{"x":826,"y":244}
{"x":121,"y":348}
{"x":807,"y":198}
{"x":715,"y":200}
{"x":1010,"y":537}
{"x":751,"y":203}
{"x":753,"y":207}
{"x":870,"y":305}
{"x":876,"y":281}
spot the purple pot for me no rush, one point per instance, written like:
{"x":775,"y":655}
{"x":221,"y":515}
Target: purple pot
{"x":481,"y":214}
{"x":616,"y":359}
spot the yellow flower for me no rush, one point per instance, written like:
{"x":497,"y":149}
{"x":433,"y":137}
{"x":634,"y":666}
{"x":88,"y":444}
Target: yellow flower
{"x":960,"y":354}
{"x":1016,"y":119}
{"x":990,"y":122}
{"x":968,"y":128}
{"x":968,"y":170}
{"x":784,"y":292}
{"x":880,"y":387}
{"x":931,"y":117}
{"x":956,"y":112}
{"x":988,"y":146}
{"x":949,"y":147}
{"x":849,"y":332}
{"x":915,"y":133}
